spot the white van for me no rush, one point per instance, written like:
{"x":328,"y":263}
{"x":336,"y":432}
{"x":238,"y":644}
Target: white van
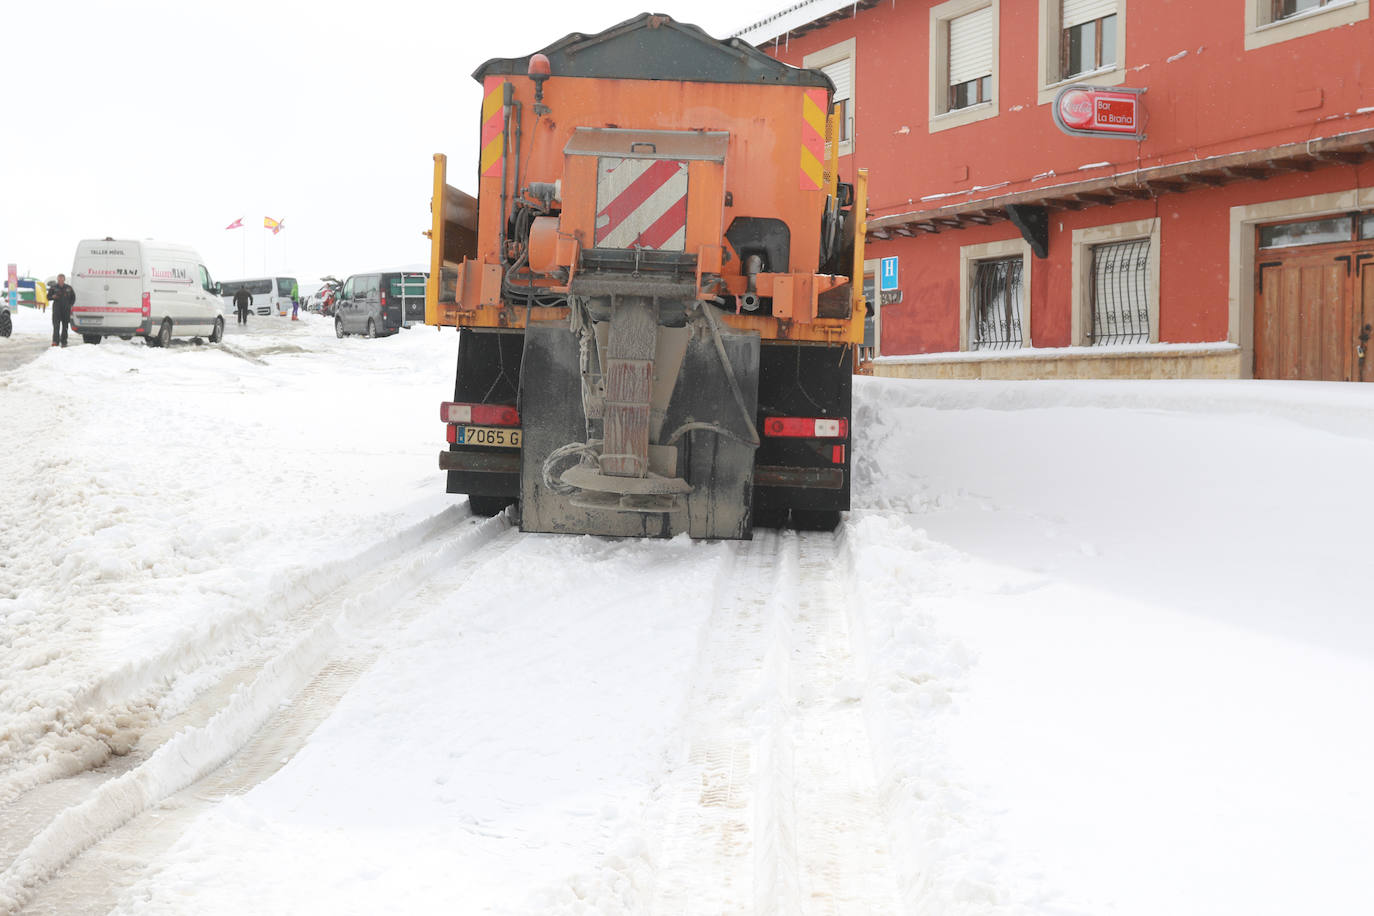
{"x":157,"y":290}
{"x":271,"y":295}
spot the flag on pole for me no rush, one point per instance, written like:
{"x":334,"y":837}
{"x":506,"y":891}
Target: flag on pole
{"x":273,"y":224}
{"x":236,"y":224}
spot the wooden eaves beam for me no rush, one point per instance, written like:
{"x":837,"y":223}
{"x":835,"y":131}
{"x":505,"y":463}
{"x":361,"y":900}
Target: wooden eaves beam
{"x":1179,"y":177}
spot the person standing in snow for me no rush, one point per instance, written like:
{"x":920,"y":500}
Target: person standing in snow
{"x":242,"y":300}
{"x":63,"y":297}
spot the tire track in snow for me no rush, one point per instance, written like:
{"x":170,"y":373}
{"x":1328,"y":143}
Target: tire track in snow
{"x":108,"y":717}
{"x":776,"y":800}
{"x":843,"y":844}
{"x":250,"y":714}
{"x":709,"y":796}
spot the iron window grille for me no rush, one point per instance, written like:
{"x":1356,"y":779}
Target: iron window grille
{"x":996,"y":306}
{"x":1121,"y":293}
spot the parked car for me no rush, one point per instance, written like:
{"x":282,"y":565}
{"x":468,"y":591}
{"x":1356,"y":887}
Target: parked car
{"x":158,"y":290}
{"x":380,"y":304}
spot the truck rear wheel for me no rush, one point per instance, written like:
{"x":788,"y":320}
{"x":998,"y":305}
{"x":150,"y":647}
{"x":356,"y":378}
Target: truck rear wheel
{"x":6,"y":325}
{"x":815,"y":519}
{"x":766,"y":517}
{"x":164,"y":333}
{"x":488,"y":506}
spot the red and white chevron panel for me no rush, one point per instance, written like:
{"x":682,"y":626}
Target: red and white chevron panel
{"x":641,"y":203}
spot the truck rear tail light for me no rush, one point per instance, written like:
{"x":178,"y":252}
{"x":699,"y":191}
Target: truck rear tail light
{"x":479,"y":414}
{"x":383,"y":298}
{"x":806,"y":427}
{"x":147,"y":305}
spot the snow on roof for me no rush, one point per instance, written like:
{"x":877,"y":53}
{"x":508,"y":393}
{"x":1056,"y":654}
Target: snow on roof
{"x":790,"y":19}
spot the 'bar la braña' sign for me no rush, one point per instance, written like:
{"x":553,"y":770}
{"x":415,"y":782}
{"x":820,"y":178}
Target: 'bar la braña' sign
{"x":1085,"y":111}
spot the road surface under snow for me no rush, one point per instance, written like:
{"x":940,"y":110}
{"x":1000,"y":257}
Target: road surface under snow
{"x":1080,"y":648}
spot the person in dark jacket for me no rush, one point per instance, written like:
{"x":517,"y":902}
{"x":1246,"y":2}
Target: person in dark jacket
{"x":242,"y":300}
{"x":63,"y":297}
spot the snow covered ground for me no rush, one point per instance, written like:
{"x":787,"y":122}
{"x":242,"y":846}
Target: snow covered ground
{"x":1080,"y":648}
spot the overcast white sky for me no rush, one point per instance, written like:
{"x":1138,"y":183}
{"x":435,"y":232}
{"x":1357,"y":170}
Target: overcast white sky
{"x":170,"y":119}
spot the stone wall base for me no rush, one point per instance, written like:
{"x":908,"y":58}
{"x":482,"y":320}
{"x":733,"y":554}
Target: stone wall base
{"x":1219,"y":363}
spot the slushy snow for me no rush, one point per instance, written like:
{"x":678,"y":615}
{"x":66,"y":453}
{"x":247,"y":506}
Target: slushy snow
{"x":1079,"y":648}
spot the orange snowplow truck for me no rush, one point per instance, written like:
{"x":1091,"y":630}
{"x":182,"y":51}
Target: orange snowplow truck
{"x":655,"y":290}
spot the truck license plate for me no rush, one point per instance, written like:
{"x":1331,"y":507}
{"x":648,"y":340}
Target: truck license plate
{"x":488,"y":435}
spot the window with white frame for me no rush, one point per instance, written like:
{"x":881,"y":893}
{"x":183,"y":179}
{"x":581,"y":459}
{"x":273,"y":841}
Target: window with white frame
{"x":963,"y":62}
{"x":970,"y":59}
{"x":837,"y":62}
{"x":1081,"y":41}
{"x":1286,"y":9}
{"x":1116,"y":284}
{"x":1088,"y":38}
{"x":1269,"y":22}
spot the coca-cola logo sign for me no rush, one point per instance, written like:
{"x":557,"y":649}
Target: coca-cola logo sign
{"x":1076,"y":108}
{"x":1087,"y":112}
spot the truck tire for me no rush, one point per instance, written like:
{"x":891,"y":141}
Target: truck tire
{"x":217,"y":333}
{"x":488,"y":506}
{"x":338,"y":328}
{"x":90,"y":338}
{"x":164,"y":333}
{"x":6,"y":325}
{"x":766,"y":517}
{"x":815,"y":519}
{"x":371,"y":329}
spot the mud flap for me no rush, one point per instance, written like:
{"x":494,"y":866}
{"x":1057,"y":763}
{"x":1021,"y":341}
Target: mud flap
{"x":719,"y":467}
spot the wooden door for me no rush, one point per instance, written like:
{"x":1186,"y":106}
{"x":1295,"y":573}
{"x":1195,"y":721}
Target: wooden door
{"x":1362,"y":327}
{"x":1303,"y":316}
{"x":1311,"y":308}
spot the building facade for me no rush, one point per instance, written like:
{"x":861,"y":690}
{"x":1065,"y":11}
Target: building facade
{"x":1233,"y":238}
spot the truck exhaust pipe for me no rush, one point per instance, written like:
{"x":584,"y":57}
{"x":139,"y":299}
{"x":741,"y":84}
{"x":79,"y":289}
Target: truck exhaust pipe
{"x":750,"y":300}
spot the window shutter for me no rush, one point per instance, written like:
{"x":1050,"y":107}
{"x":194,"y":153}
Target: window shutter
{"x":841,"y":73}
{"x":1077,"y":12}
{"x":970,"y":46}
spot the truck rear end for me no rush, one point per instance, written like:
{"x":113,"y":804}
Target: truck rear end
{"x":654,"y":290}
{"x":109,"y":280}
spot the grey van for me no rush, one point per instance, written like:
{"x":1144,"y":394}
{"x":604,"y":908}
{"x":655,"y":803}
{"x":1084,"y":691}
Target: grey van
{"x":380,"y":304}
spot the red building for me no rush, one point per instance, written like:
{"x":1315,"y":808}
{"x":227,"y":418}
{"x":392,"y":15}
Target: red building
{"x":1234,"y":239}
